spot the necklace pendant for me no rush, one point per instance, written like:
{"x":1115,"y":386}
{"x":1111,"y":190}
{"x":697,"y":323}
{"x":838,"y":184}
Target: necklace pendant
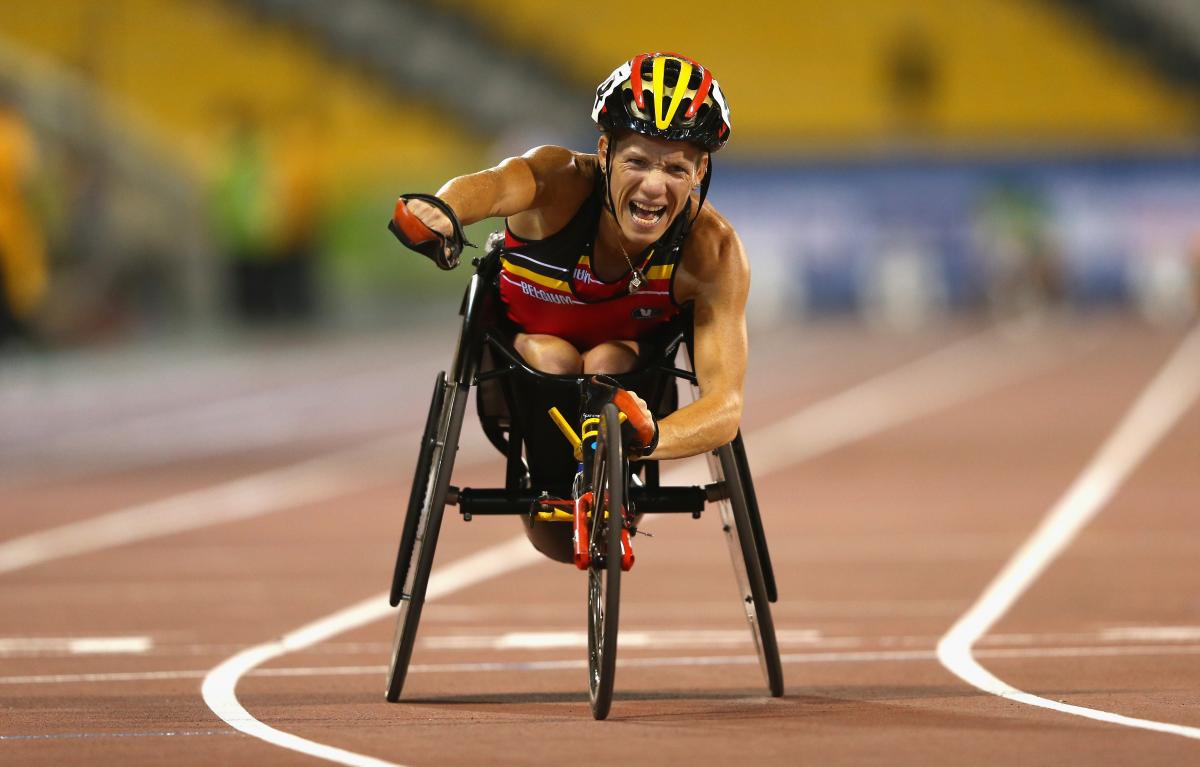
{"x":635,"y":282}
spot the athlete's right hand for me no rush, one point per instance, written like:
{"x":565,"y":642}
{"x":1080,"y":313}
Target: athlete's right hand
{"x":427,"y":225}
{"x":431,"y":217}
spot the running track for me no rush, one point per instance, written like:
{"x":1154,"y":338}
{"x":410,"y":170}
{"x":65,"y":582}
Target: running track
{"x":168,"y":517}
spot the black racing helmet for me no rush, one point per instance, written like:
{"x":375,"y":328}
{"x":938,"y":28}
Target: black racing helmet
{"x":666,"y":96}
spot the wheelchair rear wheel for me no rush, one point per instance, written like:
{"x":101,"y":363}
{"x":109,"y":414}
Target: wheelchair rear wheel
{"x":739,"y":534}
{"x":427,"y":502}
{"x":604,"y":572}
{"x":419,"y":490}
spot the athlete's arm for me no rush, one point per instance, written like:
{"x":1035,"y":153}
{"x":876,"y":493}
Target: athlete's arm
{"x":718,"y":281}
{"x":518,"y":184}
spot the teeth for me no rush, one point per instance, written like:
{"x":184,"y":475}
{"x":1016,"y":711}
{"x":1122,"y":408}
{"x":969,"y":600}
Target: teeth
{"x":644,"y":213}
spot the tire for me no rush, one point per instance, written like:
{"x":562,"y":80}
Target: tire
{"x":425,"y":531}
{"x":739,"y":534}
{"x":604,"y":574}
{"x":760,"y":537}
{"x":419,"y":490}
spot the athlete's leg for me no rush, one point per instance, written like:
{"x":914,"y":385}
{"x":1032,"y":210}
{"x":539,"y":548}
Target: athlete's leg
{"x":549,"y":354}
{"x":611,"y":358}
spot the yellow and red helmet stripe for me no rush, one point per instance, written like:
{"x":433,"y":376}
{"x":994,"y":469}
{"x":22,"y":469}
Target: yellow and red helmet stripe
{"x":622,"y":100}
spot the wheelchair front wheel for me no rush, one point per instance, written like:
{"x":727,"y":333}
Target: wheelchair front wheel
{"x":424,"y":520}
{"x":604,"y":572}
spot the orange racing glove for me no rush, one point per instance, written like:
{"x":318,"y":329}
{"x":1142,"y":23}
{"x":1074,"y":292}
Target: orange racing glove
{"x":640,"y":430}
{"x":416,"y":235}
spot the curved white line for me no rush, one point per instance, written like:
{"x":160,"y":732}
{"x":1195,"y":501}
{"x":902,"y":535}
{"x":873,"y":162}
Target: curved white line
{"x":219,"y":688}
{"x":926,"y":385}
{"x":1165,"y":400}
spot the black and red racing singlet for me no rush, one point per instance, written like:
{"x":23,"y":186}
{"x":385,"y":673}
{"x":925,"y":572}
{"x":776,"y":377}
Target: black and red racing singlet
{"x":549,"y":285}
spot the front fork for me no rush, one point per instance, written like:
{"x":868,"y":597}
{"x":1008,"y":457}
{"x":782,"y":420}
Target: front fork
{"x":581,"y":537}
{"x":584,"y":501}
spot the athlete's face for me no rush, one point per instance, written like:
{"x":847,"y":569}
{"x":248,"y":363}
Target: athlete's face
{"x":650,"y":183}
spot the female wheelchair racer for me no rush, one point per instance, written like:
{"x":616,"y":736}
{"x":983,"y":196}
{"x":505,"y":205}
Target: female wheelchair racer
{"x":554,"y":283}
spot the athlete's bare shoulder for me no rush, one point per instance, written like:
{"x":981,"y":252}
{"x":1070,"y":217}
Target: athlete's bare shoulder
{"x":712,"y":258}
{"x":556,"y":170}
{"x":563,"y":180}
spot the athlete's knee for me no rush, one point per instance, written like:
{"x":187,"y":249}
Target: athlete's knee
{"x":611,"y":358}
{"x":548,"y":354}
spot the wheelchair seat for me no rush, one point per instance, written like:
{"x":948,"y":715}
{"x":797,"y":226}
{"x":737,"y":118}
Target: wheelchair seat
{"x":513,"y":401}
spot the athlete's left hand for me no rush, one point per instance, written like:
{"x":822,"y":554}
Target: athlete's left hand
{"x":641,"y":429}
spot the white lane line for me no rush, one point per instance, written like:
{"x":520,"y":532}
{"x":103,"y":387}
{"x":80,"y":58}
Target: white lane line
{"x":219,"y":688}
{"x":311,"y":481}
{"x":84,"y":735}
{"x":925,"y":385}
{"x":1151,"y":634}
{"x":631,"y":639}
{"x":1164,"y":401}
{"x":954,"y":374}
{"x":850,"y":656}
{"x":75,"y":645}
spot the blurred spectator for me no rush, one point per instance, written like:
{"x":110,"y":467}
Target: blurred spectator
{"x":1022,"y":270}
{"x":301,"y":210}
{"x":901,"y":288}
{"x":913,"y":78}
{"x":241,"y":210}
{"x":82,"y":305}
{"x":24,"y":273}
{"x":266,"y":206}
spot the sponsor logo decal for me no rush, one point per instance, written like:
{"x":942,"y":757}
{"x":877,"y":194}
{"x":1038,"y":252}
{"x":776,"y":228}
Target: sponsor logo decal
{"x":647,"y":312}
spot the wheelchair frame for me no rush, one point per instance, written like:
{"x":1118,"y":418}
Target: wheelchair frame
{"x":483,"y":336}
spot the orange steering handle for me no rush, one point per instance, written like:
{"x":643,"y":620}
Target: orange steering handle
{"x":637,"y":419}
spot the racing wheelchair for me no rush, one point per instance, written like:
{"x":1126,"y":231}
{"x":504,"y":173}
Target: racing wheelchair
{"x":579,"y":498}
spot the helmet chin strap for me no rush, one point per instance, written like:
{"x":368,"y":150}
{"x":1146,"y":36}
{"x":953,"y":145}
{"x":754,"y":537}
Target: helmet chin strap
{"x":608,"y":200}
{"x":703,"y":188}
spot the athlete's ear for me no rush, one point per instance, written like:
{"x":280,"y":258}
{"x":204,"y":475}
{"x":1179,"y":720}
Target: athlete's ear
{"x":602,"y":151}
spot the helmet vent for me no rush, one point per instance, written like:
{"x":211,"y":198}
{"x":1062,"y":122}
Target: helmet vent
{"x":684,"y":106}
{"x":647,"y":97}
{"x":671,"y":73}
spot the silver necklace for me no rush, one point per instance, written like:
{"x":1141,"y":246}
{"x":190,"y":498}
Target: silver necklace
{"x":636,"y":278}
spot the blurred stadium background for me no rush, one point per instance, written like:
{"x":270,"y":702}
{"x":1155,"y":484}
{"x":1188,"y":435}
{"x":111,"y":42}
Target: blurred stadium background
{"x":178,"y":166}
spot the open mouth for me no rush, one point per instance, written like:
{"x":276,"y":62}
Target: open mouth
{"x":646,"y":215}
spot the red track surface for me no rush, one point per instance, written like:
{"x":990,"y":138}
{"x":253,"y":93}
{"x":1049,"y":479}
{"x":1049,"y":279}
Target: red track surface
{"x":879,"y":546}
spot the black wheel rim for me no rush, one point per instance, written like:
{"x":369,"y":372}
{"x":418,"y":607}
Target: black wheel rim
{"x":425,"y":541}
{"x":604,"y":574}
{"x":597,"y":550}
{"x":747,"y":570}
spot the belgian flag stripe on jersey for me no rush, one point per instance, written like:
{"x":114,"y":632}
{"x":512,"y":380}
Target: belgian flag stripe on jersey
{"x":549,"y":287}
